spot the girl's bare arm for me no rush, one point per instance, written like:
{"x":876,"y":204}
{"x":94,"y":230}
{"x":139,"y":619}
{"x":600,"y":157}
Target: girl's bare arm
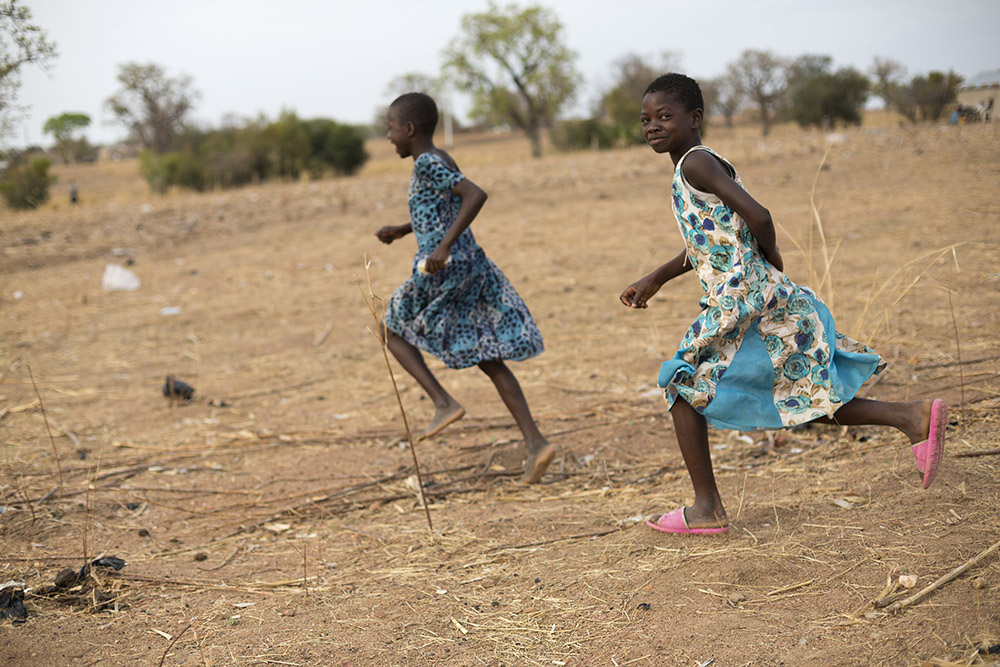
{"x":473,"y":198}
{"x":706,"y":173}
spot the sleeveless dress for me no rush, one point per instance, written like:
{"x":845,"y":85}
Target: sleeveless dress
{"x":764,"y":352}
{"x":468,"y":312}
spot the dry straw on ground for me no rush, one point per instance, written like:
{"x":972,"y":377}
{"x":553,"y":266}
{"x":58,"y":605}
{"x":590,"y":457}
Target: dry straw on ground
{"x":269,"y":520}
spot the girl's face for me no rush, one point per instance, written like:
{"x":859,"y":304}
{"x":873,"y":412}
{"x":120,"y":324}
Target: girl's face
{"x":399,"y":133}
{"x":667,"y":126}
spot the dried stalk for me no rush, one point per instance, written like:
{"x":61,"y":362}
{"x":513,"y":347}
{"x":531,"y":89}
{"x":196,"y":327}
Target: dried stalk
{"x":41,"y":406}
{"x":378,"y":314}
{"x":958,"y":347}
{"x":171,"y":645}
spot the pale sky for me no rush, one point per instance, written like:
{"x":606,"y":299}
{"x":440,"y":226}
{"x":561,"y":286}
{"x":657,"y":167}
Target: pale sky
{"x":334,"y":58}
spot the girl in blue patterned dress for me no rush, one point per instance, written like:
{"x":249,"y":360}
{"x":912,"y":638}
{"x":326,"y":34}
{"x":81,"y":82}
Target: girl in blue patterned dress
{"x":456,"y":304}
{"x":764,"y":352}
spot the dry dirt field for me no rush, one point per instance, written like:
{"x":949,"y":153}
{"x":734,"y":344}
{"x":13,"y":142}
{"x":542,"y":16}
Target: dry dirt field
{"x":272,"y":520}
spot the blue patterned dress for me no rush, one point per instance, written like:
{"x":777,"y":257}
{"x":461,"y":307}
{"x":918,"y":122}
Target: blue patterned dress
{"x":468,"y":312}
{"x":764,"y":352}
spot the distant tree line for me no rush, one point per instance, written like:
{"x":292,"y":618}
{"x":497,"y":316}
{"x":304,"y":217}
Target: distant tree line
{"x":511,"y":60}
{"x":806,"y":90}
{"x":255,"y":151}
{"x":154,"y":107}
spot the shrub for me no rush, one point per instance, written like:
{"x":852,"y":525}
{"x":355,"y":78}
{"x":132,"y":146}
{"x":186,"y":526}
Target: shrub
{"x":571,"y":135}
{"x":234,"y":156}
{"x":179,"y":168}
{"x":26,"y":185}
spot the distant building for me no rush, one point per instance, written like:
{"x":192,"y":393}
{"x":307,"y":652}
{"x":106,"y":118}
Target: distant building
{"x":980,"y":89}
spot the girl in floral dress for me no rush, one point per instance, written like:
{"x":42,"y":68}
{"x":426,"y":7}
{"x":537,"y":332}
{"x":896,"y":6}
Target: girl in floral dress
{"x":456,"y":304}
{"x":764,"y":352}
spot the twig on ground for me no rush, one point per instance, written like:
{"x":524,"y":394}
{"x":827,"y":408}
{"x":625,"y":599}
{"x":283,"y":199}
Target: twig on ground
{"x":579,"y":536}
{"x":954,"y":574}
{"x":981,"y":452}
{"x":171,"y":645}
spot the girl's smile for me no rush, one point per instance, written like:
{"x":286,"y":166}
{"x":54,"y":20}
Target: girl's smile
{"x":667,"y":126}
{"x":398,"y":135}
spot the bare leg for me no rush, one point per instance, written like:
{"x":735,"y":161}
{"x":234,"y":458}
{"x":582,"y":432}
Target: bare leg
{"x":692,"y":438}
{"x":447,"y":409}
{"x":912,"y":418}
{"x":539,"y":453}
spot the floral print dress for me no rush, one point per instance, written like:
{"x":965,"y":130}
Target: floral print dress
{"x":468,"y":312}
{"x":764,"y":352}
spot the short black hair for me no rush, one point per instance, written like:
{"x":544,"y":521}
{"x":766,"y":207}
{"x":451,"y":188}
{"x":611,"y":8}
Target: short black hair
{"x":417,"y":108}
{"x":685,"y":89}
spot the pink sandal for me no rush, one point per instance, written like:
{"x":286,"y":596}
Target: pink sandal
{"x":930,"y":452}
{"x":676,"y":522}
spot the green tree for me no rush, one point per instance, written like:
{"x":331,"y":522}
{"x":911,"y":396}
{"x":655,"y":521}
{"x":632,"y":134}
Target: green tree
{"x":151,"y":105}
{"x":21,"y":43}
{"x":62,"y":128}
{"x":26,"y":184}
{"x":760,"y":79}
{"x":513,"y":62}
{"x":932,"y":94}
{"x":819,"y":96}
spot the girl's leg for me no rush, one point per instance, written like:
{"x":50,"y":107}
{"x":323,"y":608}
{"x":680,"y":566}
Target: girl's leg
{"x":692,"y":438}
{"x":447,"y":408}
{"x":539,"y":452}
{"x":912,"y":418}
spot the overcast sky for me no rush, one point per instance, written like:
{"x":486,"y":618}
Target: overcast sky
{"x":334,"y":58}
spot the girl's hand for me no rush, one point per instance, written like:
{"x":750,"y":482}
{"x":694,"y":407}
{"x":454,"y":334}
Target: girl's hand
{"x":638,"y":293}
{"x":390,"y":233}
{"x":437,"y":259}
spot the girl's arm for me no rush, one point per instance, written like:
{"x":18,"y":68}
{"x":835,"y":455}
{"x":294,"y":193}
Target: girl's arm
{"x":473,"y":198}
{"x":706,"y":173}
{"x":638,"y":293}
{"x":390,"y":233}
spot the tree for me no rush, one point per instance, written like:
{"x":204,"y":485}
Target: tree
{"x":415,"y":82}
{"x":821,"y":97}
{"x":933,"y":93}
{"x":888,"y":77}
{"x":62,"y":128}
{"x":152,"y":105}
{"x":21,"y":43}
{"x":722,"y":95}
{"x":513,"y":62}
{"x":760,"y":78}
{"x":621,"y":104}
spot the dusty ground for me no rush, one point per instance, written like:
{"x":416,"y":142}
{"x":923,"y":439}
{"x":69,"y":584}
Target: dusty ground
{"x":269,"y":520}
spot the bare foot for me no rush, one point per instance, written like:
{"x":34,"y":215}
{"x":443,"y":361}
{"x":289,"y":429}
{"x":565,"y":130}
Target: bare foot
{"x":919,"y":420}
{"x":449,"y":414}
{"x":537,"y":462}
{"x":713,"y":518}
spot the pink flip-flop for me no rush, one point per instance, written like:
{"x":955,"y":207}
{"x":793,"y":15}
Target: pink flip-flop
{"x":930,"y":452}
{"x":676,"y":522}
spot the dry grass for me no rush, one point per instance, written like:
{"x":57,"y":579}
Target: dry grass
{"x":269,"y":521}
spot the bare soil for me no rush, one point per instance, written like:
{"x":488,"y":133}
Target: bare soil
{"x":273,"y":519}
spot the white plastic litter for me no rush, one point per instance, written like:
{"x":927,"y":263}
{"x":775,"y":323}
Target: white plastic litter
{"x":119,"y":279}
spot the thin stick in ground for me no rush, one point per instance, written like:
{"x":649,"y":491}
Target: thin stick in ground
{"x":378,"y":314}
{"x":41,"y":406}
